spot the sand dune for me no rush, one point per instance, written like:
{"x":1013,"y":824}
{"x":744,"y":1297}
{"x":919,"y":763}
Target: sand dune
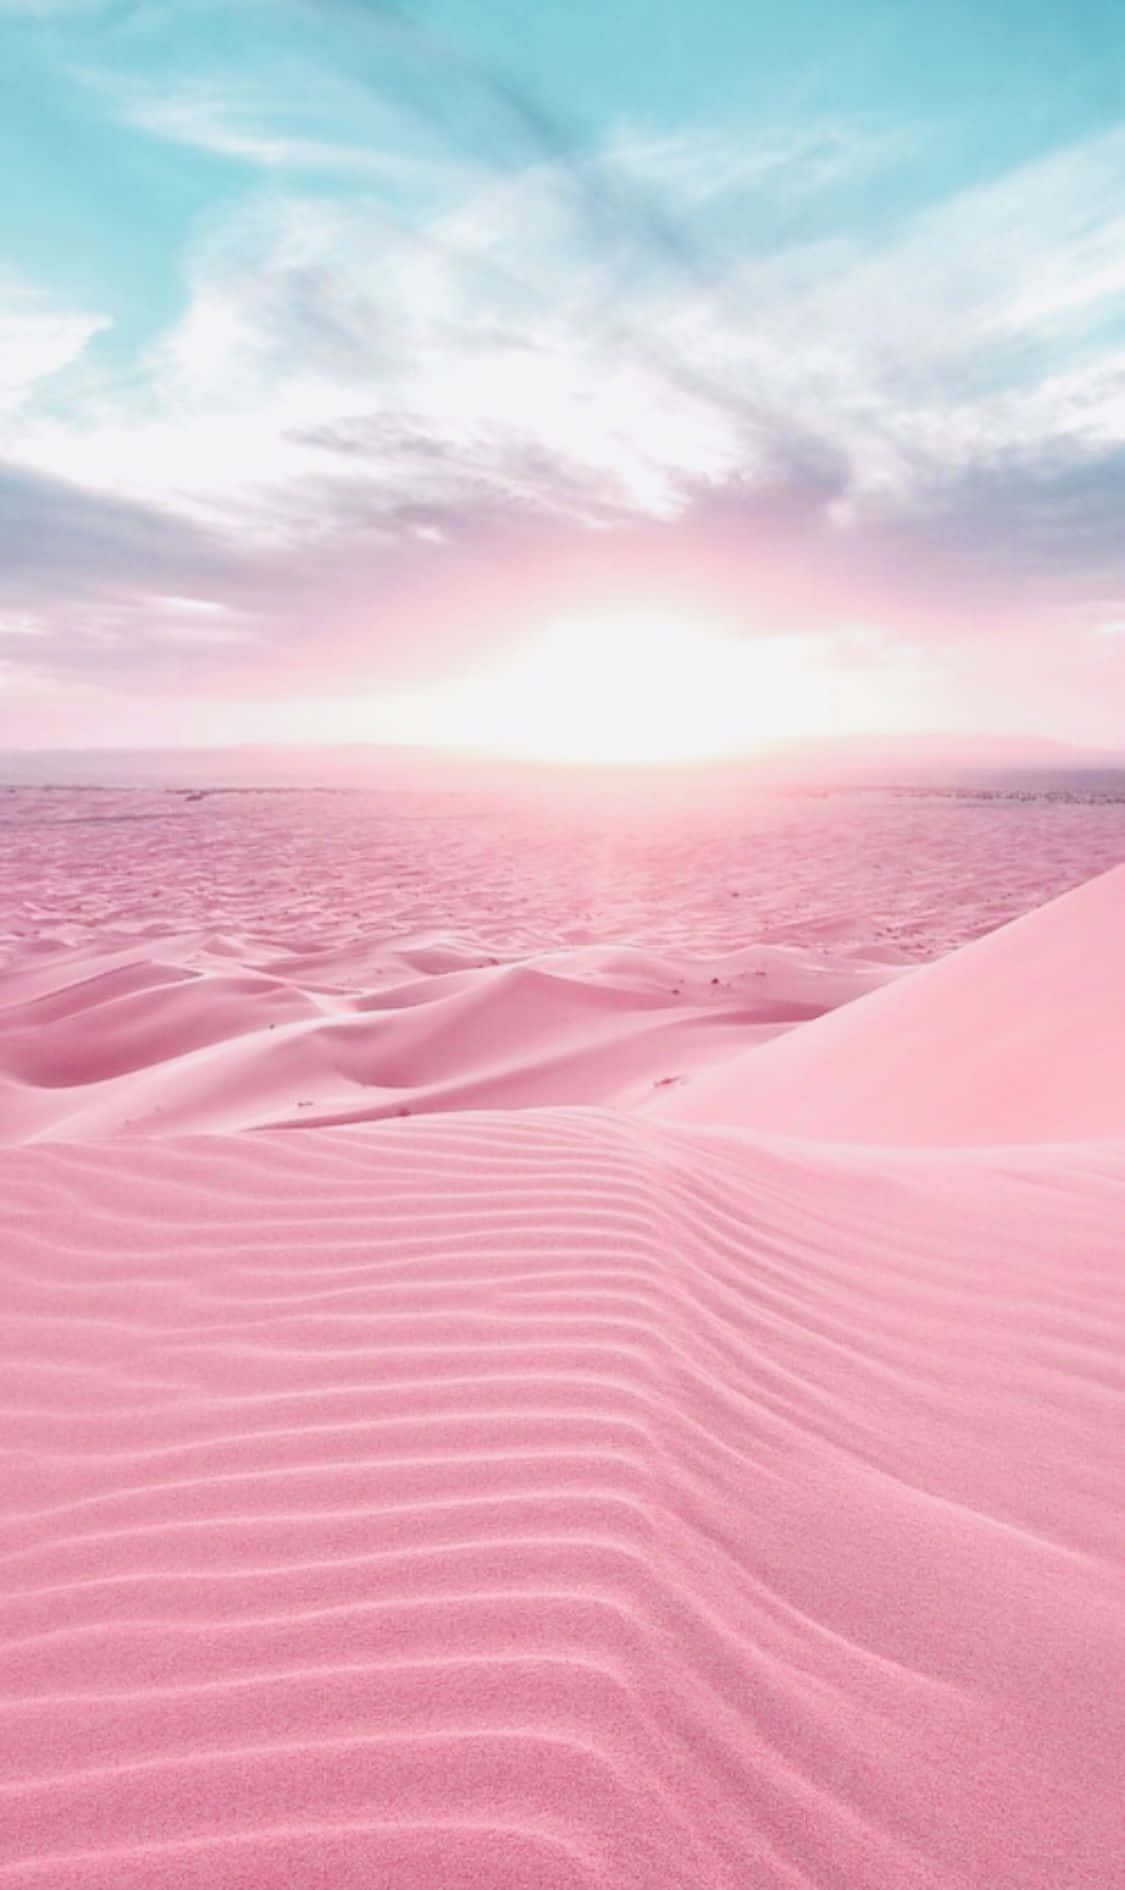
{"x":562,"y":1497}
{"x":183,"y":1034}
{"x":1018,"y":1037}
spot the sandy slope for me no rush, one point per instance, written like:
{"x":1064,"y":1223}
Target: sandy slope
{"x":1018,"y":1037}
{"x":563,"y":1499}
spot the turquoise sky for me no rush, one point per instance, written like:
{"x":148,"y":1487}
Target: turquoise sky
{"x":341,"y":343}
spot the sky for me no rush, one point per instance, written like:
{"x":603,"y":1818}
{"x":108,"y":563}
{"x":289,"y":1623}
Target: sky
{"x":476,"y":370}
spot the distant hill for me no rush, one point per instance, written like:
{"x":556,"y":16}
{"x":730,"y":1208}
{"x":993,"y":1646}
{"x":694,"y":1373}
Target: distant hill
{"x":923,"y":759}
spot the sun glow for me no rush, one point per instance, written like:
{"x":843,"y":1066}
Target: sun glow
{"x":632,"y":687}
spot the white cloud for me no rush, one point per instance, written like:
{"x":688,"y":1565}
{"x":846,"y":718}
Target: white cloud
{"x":37,"y":339}
{"x":247,"y":125}
{"x":519,"y":344}
{"x":305,"y":315}
{"x":695,"y":168}
{"x":973,"y":332}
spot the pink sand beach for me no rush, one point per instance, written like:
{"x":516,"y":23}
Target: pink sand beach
{"x":554,"y":1353}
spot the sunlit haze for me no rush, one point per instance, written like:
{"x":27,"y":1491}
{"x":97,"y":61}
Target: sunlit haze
{"x":633,"y":688}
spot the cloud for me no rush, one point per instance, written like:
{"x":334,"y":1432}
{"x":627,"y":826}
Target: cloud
{"x":93,"y":585}
{"x":38,"y":339}
{"x":557,"y":301}
{"x":256,"y":123}
{"x":207,"y":123}
{"x":309,"y":320}
{"x":80,"y":539}
{"x":369,"y":398}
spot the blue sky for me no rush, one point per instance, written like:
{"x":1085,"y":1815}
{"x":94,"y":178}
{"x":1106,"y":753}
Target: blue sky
{"x":341,"y":344}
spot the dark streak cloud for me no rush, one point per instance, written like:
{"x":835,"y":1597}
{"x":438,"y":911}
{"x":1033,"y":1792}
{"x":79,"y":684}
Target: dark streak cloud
{"x":56,"y":537}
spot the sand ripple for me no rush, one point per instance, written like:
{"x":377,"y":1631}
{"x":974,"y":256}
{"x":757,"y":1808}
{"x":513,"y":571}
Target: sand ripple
{"x":557,"y":1499}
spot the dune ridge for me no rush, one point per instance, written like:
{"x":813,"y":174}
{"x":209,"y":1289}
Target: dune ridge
{"x":644,"y":1507}
{"x":181,"y":1034}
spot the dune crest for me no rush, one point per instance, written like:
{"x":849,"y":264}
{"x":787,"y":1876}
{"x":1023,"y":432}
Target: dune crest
{"x":1017,"y":1037}
{"x":223,"y":1033}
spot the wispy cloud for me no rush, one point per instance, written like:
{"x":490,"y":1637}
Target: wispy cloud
{"x":513,"y":333}
{"x":507,"y":322}
{"x":208,"y":124}
{"x":38,"y":339}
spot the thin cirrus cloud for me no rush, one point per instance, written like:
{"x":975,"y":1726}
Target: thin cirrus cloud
{"x":38,"y":339}
{"x":428,"y":364}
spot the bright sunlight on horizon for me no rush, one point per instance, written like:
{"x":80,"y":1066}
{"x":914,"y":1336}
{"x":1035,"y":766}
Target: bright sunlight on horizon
{"x":634,"y":687}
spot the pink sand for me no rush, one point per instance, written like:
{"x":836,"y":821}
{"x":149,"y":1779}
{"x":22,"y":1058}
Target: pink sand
{"x":691,"y":1494}
{"x":1018,"y":1037}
